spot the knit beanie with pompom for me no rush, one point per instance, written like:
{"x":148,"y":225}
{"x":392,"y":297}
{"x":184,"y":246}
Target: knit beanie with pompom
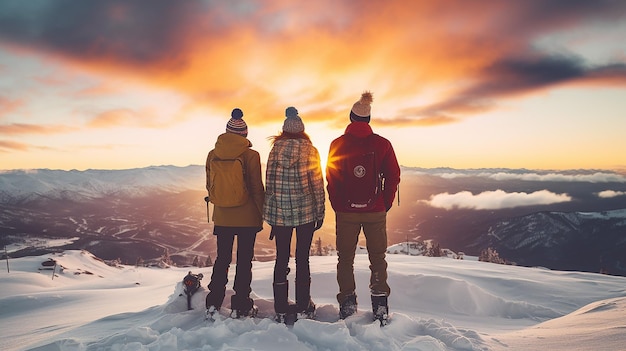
{"x":293,"y":123}
{"x":236,"y":124}
{"x":361,"y":109}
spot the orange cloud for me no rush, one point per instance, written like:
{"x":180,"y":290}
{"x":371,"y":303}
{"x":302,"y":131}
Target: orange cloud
{"x":445,"y":60}
{"x":7,"y":146}
{"x":22,"y":128}
{"x":122,"y":117}
{"x":97,"y":90}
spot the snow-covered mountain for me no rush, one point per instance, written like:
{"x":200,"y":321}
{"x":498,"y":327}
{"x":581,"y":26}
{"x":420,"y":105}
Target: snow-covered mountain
{"x":17,"y":185}
{"x":143,"y":212}
{"x":29,"y":185}
{"x":562,"y":240}
{"x":436,"y":304}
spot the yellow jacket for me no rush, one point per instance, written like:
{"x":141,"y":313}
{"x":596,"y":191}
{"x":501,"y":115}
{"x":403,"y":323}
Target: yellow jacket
{"x":250,"y":214}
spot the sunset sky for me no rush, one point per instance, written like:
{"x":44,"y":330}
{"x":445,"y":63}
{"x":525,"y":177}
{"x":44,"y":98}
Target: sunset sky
{"x":115,"y":84}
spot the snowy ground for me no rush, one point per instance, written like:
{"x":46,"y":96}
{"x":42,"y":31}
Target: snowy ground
{"x":436,"y":304}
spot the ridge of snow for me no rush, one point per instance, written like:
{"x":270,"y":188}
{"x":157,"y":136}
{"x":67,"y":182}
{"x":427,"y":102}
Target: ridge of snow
{"x":436,"y":304}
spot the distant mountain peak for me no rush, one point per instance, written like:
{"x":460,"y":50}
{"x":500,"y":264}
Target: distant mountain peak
{"x":20,"y":185}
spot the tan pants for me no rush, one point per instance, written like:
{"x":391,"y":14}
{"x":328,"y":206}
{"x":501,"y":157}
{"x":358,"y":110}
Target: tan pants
{"x":348,"y":228}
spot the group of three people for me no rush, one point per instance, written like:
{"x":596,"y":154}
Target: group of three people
{"x":294,"y":198}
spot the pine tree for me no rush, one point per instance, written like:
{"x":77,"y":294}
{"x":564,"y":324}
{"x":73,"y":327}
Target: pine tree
{"x":436,"y":250}
{"x":490,"y":255}
{"x":318,"y":246}
{"x":166,"y":260}
{"x":208,"y":262}
{"x":196,"y":262}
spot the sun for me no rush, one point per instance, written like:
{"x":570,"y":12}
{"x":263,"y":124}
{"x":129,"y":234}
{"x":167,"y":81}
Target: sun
{"x":323,"y":162}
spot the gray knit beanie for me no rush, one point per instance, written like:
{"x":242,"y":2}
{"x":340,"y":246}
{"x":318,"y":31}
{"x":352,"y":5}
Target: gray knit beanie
{"x":293,"y":123}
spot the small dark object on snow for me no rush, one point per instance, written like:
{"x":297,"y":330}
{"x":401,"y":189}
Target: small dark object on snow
{"x":191,"y":284}
{"x":49,"y":264}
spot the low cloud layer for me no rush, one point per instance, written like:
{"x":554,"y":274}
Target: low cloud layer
{"x":611,"y":193}
{"x":493,"y":200}
{"x":531,"y":176}
{"x":597,"y":177}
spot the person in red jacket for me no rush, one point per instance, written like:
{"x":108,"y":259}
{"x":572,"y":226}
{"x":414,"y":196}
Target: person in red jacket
{"x":369,"y":212}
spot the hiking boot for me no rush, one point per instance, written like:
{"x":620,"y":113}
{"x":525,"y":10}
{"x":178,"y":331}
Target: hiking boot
{"x":242,"y":307}
{"x":215,"y":298}
{"x":380,"y":309}
{"x":305,"y":308}
{"x":281,"y":297}
{"x":211,"y":311}
{"x":348,"y":307}
{"x":280,"y":317}
{"x":306,"y":313}
{"x":239,"y":313}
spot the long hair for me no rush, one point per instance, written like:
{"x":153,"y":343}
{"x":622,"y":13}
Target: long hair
{"x":287,"y":135}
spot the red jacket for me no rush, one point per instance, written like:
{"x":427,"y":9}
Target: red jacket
{"x":385,"y":157}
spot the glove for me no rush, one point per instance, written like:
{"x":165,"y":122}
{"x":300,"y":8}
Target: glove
{"x":318,"y":224}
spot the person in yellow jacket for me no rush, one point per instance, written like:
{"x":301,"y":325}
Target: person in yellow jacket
{"x":243,"y":221}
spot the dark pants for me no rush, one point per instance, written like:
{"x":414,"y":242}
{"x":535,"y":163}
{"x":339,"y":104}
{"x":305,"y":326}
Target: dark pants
{"x":348,"y":227}
{"x":304,"y":237}
{"x":246,"y":237}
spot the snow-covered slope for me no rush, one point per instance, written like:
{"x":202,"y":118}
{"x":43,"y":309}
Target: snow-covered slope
{"x":436,"y":304}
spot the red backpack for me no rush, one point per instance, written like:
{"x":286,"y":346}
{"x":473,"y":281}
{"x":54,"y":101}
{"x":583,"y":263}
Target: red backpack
{"x":362,"y":181}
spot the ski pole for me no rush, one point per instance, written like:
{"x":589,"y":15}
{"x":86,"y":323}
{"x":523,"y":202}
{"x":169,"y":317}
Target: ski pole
{"x":208,"y":215}
{"x":398,"y":194}
{"x":6,"y":254}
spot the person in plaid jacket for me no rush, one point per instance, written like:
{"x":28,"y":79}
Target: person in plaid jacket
{"x":294,"y":198}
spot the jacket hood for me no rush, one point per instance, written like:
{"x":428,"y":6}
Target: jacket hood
{"x":359,"y":129}
{"x":289,"y":151}
{"x":230,"y":145}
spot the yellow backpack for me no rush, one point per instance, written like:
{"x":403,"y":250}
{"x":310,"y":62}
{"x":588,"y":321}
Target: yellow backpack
{"x":227,"y":182}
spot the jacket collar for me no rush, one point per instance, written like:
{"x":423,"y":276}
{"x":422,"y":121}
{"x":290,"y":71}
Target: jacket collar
{"x":230,"y":145}
{"x":359,"y":129}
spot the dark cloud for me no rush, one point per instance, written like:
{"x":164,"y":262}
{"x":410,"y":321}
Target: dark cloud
{"x":514,"y":76}
{"x":135,"y":31}
{"x":518,"y":75}
{"x":146,"y":31}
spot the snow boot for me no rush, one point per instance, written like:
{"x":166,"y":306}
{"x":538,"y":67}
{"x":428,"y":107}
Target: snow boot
{"x":214,"y":301}
{"x":380,"y":309}
{"x":305,"y":308}
{"x":348,"y":306}
{"x":242,"y":307}
{"x":281,"y":301}
{"x":211,"y":313}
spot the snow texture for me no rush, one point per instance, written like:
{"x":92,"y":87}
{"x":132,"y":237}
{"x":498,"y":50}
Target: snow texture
{"x":436,"y":304}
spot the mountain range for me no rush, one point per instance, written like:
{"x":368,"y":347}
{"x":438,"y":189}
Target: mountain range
{"x":571,"y":220}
